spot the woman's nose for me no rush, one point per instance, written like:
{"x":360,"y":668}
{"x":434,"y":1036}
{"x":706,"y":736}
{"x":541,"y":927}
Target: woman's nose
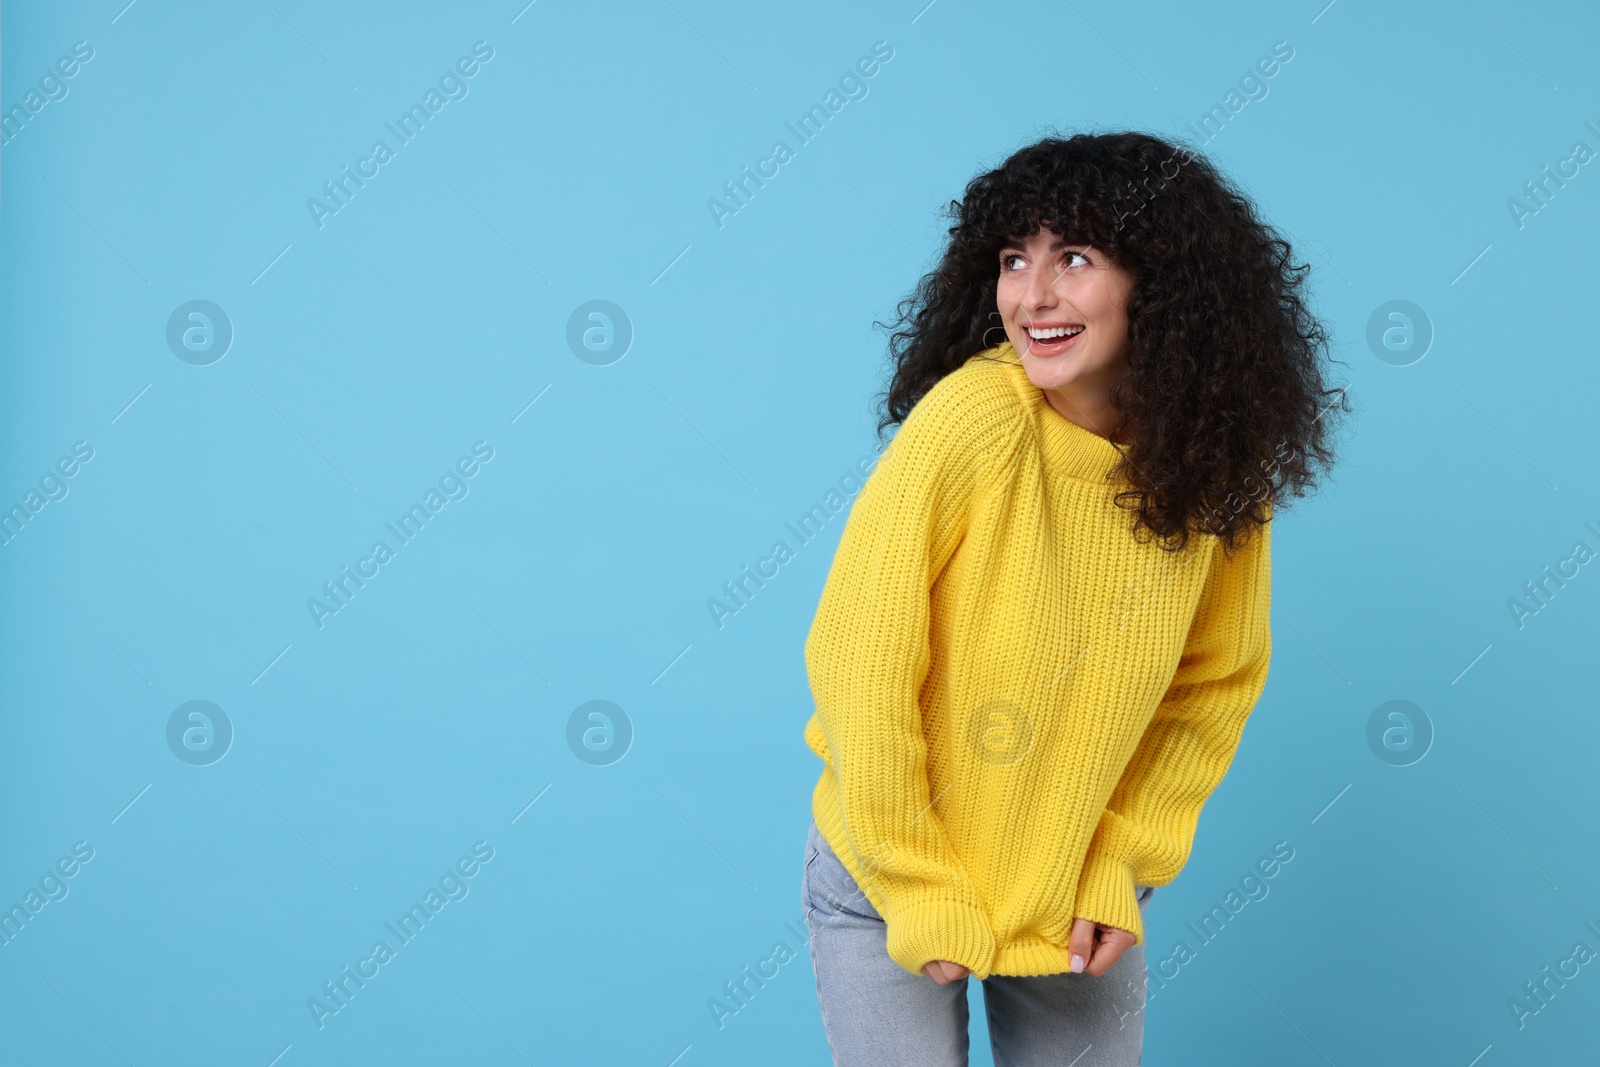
{"x":1041,"y":290}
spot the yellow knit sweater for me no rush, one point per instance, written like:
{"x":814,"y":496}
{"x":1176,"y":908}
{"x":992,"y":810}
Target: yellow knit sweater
{"x":1020,"y":707}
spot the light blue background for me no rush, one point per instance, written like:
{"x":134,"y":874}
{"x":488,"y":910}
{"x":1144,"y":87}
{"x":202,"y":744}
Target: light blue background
{"x":433,"y":709}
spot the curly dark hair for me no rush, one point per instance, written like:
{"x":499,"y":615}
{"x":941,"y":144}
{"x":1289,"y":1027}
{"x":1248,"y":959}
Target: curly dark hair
{"x":1225,"y":390}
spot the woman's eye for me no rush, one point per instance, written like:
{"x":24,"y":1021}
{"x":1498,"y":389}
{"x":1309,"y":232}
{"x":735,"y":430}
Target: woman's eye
{"x":1007,"y":260}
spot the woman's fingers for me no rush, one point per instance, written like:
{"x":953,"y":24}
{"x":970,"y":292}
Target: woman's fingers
{"x":1113,"y":943}
{"x":943,"y":971}
{"x":1094,"y":947}
{"x":1080,"y":943}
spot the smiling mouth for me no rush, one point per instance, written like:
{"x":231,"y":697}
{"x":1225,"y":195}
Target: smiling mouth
{"x":1052,"y":340}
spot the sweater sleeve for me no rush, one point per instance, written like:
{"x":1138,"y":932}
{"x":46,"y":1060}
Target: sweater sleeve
{"x":868,"y":653}
{"x":1147,"y":829}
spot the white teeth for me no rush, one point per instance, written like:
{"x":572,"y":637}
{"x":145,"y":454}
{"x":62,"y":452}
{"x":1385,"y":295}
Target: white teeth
{"x":1053,"y":332}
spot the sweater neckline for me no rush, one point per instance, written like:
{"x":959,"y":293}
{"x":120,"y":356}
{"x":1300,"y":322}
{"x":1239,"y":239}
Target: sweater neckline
{"x":1071,"y":448}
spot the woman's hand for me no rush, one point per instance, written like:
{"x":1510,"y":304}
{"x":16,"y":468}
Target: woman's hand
{"x":943,"y":971}
{"x":1096,"y":946}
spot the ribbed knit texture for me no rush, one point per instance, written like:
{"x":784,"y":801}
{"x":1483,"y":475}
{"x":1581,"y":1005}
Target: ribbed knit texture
{"x":1020,"y":707}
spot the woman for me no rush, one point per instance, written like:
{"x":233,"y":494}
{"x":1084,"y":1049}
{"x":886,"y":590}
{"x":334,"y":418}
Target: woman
{"x":1048,"y":616}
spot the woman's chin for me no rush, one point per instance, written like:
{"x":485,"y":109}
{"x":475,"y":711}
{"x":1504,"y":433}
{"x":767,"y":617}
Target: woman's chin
{"x":1047,"y":373}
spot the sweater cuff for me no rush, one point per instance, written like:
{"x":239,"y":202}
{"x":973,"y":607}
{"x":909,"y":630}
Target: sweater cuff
{"x":941,"y":930}
{"x":1106,"y":894}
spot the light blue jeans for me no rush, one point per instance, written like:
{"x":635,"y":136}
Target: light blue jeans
{"x":878,"y":1014}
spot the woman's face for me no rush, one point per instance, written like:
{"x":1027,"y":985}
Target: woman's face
{"x":1077,"y":298}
